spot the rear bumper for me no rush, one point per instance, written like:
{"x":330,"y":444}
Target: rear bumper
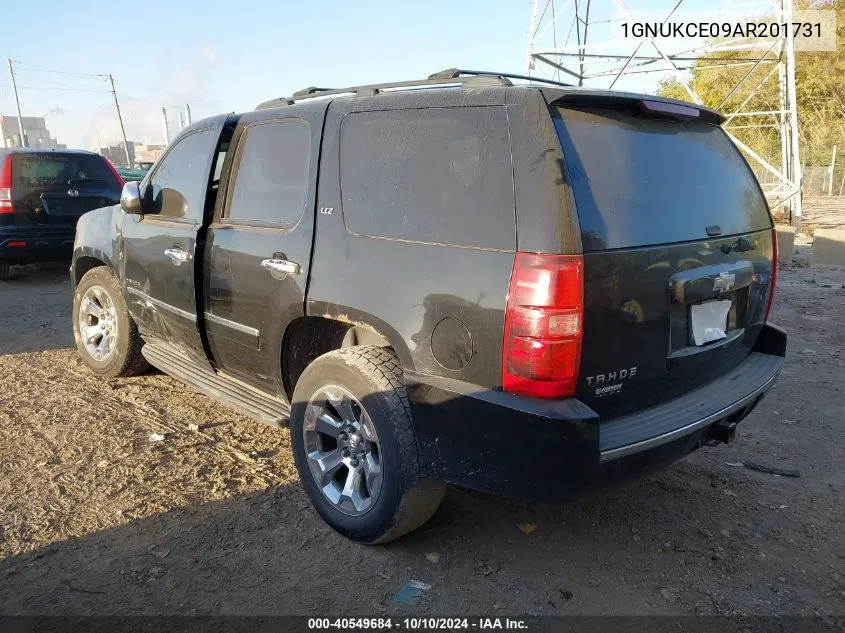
{"x":24,"y":245}
{"x":553,"y":451}
{"x":734,"y":393}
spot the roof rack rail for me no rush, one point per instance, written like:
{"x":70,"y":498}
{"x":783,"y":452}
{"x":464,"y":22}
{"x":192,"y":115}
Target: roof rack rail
{"x":459,"y":72}
{"x":309,"y":91}
{"x":448,"y":77}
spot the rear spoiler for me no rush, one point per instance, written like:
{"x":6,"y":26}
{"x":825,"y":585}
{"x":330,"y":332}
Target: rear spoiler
{"x":655,"y":106}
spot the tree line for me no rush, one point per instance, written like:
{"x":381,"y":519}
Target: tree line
{"x":819,"y":90}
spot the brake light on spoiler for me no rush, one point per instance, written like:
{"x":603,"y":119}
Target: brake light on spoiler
{"x":543,"y":325}
{"x":670,"y":109}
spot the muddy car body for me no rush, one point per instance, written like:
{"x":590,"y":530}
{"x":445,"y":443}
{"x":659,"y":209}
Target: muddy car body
{"x":527,"y":290}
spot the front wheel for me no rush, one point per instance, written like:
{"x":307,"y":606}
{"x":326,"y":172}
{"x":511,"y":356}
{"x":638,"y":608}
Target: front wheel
{"x":355,"y":448}
{"x":106,"y":336}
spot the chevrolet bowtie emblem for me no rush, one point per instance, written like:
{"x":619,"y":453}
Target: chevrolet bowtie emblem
{"x":724,"y":282}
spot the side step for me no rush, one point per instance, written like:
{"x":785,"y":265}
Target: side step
{"x":231,"y":392}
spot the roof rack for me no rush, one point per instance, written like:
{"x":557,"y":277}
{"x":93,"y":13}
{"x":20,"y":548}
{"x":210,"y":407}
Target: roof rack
{"x":458,"y":72}
{"x":448,"y":77}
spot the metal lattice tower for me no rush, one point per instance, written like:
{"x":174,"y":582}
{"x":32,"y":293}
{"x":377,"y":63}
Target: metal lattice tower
{"x":570,"y":40}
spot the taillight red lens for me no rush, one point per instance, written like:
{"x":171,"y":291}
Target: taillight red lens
{"x":774,"y":273}
{"x":6,"y":205}
{"x":543,"y":325}
{"x":116,"y":174}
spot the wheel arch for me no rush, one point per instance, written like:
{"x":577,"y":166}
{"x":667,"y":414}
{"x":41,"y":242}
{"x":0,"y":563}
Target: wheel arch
{"x":85,"y":259}
{"x":308,"y":337}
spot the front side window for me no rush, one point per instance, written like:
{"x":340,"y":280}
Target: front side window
{"x":178,"y":186}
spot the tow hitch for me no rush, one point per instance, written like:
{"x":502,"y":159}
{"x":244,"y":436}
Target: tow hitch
{"x":723,"y":432}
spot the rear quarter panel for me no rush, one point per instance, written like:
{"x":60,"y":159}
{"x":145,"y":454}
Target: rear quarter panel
{"x":420,"y":296}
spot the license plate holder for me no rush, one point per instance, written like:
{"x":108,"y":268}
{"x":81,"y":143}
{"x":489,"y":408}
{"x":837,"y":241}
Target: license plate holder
{"x":69,"y":206}
{"x":709,"y":321}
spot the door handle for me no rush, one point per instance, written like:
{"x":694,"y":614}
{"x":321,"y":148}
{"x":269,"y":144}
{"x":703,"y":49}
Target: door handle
{"x":177,"y":256}
{"x":279,"y":268}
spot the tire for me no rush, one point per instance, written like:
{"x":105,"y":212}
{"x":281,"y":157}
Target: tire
{"x":5,"y":271}
{"x":405,"y":499}
{"x":124,"y":354}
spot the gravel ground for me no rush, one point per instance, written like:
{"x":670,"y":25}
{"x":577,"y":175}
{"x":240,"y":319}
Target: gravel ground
{"x":96,"y":519}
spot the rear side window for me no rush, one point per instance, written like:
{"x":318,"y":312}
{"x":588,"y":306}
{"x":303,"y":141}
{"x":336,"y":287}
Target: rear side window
{"x":440,"y":175}
{"x":641,"y":181}
{"x":49,"y":169}
{"x":271,"y":179}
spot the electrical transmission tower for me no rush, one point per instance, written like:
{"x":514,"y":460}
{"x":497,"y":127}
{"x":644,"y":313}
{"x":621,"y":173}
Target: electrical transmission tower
{"x":573,"y":40}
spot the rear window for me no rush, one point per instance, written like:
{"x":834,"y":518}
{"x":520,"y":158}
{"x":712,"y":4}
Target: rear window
{"x":641,"y":181}
{"x":44,"y":170}
{"x":439,"y":175}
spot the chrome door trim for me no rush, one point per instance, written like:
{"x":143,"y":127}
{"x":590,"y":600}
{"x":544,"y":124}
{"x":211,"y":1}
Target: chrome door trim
{"x":240,"y":327}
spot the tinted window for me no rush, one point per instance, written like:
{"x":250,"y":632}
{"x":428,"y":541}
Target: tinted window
{"x":272,"y":173}
{"x":641,"y":181}
{"x":179,"y":183}
{"x":439,"y":175}
{"x":218,"y":163}
{"x":44,"y":170}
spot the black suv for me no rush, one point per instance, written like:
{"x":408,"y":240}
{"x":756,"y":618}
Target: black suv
{"x":42,"y":194}
{"x":519,"y":289}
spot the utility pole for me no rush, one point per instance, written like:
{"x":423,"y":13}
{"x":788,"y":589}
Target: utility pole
{"x":120,"y":120}
{"x":792,"y":104}
{"x":17,"y":103}
{"x":832,"y":167}
{"x":188,"y":113}
{"x":164,"y":126}
{"x":786,"y":156}
{"x":532,"y":30}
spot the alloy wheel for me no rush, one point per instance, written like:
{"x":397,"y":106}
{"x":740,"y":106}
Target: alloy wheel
{"x":342,"y":449}
{"x":98,"y":323}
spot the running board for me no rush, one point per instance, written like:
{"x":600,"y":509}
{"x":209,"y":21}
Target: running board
{"x":244,"y":398}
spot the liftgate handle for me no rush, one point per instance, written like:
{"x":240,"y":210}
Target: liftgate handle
{"x":281,"y":266}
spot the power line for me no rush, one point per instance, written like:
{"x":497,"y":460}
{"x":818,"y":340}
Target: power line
{"x":95,"y":90}
{"x":57,"y":81}
{"x":104,"y":91}
{"x":155,"y":103}
{"x":29,"y":68}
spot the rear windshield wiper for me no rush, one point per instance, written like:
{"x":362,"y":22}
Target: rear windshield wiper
{"x":77,"y":181}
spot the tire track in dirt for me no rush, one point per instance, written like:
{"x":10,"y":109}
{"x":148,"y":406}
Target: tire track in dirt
{"x":79,"y":436}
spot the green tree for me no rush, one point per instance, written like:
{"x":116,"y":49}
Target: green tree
{"x":819,"y":91}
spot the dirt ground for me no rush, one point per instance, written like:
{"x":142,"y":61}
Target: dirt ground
{"x":96,"y":519}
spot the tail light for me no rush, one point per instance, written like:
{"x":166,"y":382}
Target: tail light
{"x":6,"y":205}
{"x":115,"y":173}
{"x":774,"y":273}
{"x":543,"y":325}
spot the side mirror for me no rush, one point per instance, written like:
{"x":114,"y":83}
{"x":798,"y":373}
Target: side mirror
{"x":130,"y":199}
